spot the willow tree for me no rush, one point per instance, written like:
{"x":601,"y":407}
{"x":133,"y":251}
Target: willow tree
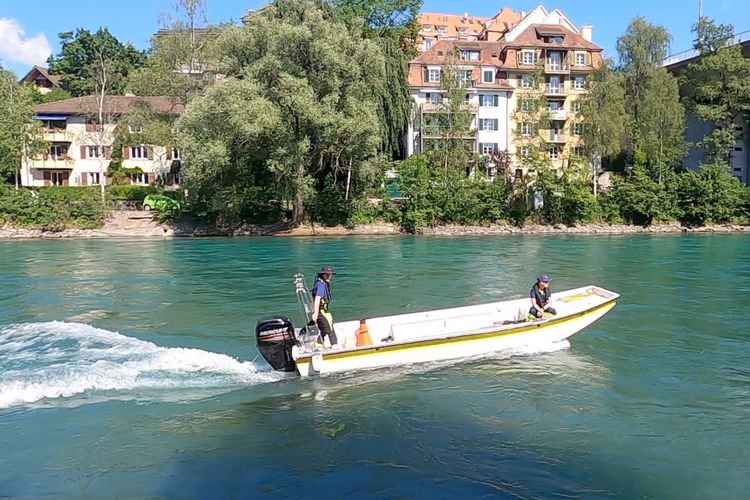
{"x":299,"y":107}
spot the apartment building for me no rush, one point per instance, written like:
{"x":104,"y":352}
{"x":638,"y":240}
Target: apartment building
{"x":80,"y":148}
{"x":535,"y":71}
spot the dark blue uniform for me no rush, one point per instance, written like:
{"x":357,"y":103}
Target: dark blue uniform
{"x":542,"y":298}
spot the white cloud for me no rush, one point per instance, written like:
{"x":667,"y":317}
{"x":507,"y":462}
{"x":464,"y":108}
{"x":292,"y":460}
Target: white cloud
{"x":15,"y":46}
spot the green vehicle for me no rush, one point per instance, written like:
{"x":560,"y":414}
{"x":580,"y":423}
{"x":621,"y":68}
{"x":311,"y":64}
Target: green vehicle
{"x":160,"y":203}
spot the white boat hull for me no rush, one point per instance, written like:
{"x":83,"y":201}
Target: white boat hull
{"x":416,"y":345}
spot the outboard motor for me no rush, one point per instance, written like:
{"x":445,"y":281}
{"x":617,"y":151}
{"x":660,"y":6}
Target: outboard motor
{"x":275,"y":341}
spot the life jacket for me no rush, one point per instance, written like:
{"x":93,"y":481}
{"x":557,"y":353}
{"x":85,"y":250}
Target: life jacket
{"x":323,"y":302}
{"x":541,"y":298}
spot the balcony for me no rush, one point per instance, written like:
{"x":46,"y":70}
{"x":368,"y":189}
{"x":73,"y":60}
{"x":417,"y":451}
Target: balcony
{"x":437,"y":132}
{"x":557,"y":138}
{"x":554,"y":89}
{"x":58,"y":135}
{"x":558,"y":114}
{"x":430,"y":107}
{"x":557,"y":68}
{"x":53,"y":163}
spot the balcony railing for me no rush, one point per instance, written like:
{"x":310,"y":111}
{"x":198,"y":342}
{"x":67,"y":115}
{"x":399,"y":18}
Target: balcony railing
{"x":558,"y":114}
{"x":58,"y":135}
{"x":53,"y":163}
{"x":556,"y":67}
{"x":430,"y":107}
{"x":436,"y":131}
{"x":554,"y":89}
{"x":557,"y":137}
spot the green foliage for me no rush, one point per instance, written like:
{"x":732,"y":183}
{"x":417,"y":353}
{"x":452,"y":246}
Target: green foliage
{"x":19,"y":132}
{"x":718,"y":88}
{"x":57,"y":94}
{"x":642,"y":200}
{"x":711,"y":195}
{"x":52,"y":208}
{"x":82,"y":54}
{"x":567,"y":196}
{"x":131,"y":192}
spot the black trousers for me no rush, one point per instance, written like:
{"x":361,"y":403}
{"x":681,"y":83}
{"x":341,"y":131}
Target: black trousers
{"x":533,"y":311}
{"x":326,"y":329}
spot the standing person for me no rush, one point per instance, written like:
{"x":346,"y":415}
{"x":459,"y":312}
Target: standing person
{"x":321,"y":315}
{"x":541,"y":296}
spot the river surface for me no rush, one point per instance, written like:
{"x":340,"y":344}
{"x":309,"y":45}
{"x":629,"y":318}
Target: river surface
{"x":128,"y":369}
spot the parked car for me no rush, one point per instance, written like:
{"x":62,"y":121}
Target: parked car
{"x":160,"y":202}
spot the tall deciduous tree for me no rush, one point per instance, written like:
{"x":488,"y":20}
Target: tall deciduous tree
{"x":718,"y":87}
{"x":80,"y":55}
{"x":606,"y":122}
{"x":642,"y":49}
{"x":298,"y":108}
{"x":20,"y":134}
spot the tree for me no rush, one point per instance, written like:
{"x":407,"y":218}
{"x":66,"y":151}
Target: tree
{"x":20,"y":134}
{"x":80,"y":56}
{"x":717,"y":88}
{"x":662,"y":130}
{"x":710,"y":195}
{"x":385,"y":18}
{"x":298,"y":110}
{"x":184,"y":59}
{"x":605,"y":119}
{"x":642,"y":49}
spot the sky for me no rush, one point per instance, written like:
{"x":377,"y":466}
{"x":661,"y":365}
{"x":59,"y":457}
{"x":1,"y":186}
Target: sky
{"x":29,"y":29}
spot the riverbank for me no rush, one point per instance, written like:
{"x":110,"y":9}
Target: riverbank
{"x":136,"y":224}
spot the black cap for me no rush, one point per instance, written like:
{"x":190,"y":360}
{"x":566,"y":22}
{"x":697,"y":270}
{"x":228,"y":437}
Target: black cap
{"x":327,"y":270}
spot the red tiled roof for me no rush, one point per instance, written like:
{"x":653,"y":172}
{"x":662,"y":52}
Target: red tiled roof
{"x":530,"y":38}
{"x":117,"y":104}
{"x":489,"y":53}
{"x":452,"y":22}
{"x":42,"y":71}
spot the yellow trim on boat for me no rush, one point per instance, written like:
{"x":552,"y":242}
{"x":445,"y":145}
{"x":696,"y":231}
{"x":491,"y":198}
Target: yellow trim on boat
{"x":418,"y":344}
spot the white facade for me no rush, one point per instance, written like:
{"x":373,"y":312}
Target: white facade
{"x":80,"y":152}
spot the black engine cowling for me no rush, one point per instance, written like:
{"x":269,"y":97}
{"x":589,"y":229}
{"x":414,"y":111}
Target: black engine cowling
{"x":275,"y":341}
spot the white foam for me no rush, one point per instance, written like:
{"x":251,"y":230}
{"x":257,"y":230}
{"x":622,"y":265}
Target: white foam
{"x":58,"y":360}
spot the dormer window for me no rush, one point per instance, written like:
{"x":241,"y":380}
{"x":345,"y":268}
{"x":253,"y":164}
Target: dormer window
{"x":428,"y":43}
{"x":426,"y":27}
{"x":580,"y":58}
{"x":528,"y":57}
{"x":469,"y":55}
{"x":462,"y":29}
{"x":443,"y":29}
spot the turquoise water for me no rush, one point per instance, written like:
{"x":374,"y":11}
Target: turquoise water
{"x":127,"y":369}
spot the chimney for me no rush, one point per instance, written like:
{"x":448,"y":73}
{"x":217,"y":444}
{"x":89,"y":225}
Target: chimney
{"x":587,"y":32}
{"x":523,"y":14}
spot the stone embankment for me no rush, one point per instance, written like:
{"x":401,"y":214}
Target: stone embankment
{"x":138,"y":224}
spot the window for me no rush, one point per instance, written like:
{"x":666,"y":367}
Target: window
{"x":488,"y":123}
{"x":576,"y":106}
{"x":426,"y":27}
{"x":488,"y":101}
{"x":58,"y":151}
{"x":95,"y":152}
{"x":487,"y":148}
{"x":527,"y":105}
{"x":176,"y":154}
{"x":579,"y":151}
{"x":135,"y":128}
{"x":428,"y":43}
{"x":554,"y":105}
{"x":579,"y":83}
{"x":442,"y":29}
{"x":554,"y":153}
{"x":558,"y":39}
{"x":525,"y":151}
{"x":55,"y":125}
{"x":93,"y":177}
{"x":738,"y":128}
{"x":488,"y":75}
{"x":57,"y":178}
{"x":554,"y":85}
{"x":466,"y":79}
{"x":527,"y":128}
{"x":467,"y":99}
{"x":580,"y":58}
{"x":469,"y":55}
{"x":578,"y":129}
{"x":434,"y":75}
{"x":528,"y":57}
{"x":554,"y":61}
{"x":738,"y":148}
{"x":138,"y":152}
{"x":462,"y":29}
{"x":738,"y":169}
{"x":527,"y":81}
{"x":433,"y":98}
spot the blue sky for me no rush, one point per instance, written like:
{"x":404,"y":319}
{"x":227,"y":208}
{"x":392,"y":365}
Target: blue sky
{"x":28,"y":29}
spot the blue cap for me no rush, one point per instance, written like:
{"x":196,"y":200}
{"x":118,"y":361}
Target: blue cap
{"x":543,"y":278}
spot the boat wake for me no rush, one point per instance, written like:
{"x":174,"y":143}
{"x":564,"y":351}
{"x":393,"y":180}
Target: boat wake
{"x":44,"y":362}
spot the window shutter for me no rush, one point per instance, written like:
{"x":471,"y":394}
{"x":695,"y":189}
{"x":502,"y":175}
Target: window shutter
{"x":108,"y":152}
{"x":126,"y":153}
{"x":47,"y":177}
{"x":66,"y":175}
{"x":495,"y":124}
{"x":496,"y":100}
{"x":83,"y":152}
{"x":46,"y":155}
{"x":84,"y":178}
{"x":169,"y":153}
{"x":150,"y":153}
{"x":426,"y":74}
{"x":145,"y":178}
{"x":481,"y":100}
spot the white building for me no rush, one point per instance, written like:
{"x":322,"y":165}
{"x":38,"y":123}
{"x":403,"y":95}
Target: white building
{"x":80,"y":149}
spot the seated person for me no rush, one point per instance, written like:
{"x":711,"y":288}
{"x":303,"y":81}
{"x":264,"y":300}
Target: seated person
{"x":541,"y":297}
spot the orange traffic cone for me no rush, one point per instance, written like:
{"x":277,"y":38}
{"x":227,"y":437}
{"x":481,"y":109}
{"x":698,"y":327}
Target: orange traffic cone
{"x":363,"y":334}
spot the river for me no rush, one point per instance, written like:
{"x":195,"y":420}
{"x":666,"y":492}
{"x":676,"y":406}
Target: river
{"x":128,"y":369}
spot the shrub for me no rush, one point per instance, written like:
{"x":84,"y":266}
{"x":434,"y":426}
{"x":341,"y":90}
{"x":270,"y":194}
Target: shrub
{"x":642,"y":200}
{"x":52,"y":208}
{"x":131,"y":192}
{"x":710,"y":195}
